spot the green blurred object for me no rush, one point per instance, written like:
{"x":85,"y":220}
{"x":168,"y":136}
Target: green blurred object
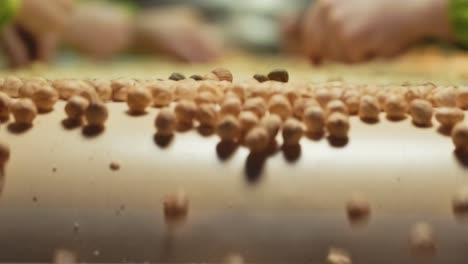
{"x":459,"y":13}
{"x":8,"y":9}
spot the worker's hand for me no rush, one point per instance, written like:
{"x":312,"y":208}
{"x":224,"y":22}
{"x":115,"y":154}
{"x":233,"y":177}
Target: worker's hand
{"x":177,"y":32}
{"x":33,"y":35}
{"x":44,"y":16}
{"x":99,"y":30}
{"x":355,"y":30}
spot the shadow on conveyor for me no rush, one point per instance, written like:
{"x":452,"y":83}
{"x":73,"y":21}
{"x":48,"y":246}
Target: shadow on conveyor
{"x":444,"y":130}
{"x":462,"y":157}
{"x":70,"y":124}
{"x":92,"y":131}
{"x":163,"y":141}
{"x":314,"y":136}
{"x":337,"y":142}
{"x":17,"y":128}
{"x":292,"y":153}
{"x":254,"y":166}
{"x":370,"y":121}
{"x":4,"y":119}
{"x":396,"y":119}
{"x":225,"y":149}
{"x":205,"y":131}
{"x":135,"y":114}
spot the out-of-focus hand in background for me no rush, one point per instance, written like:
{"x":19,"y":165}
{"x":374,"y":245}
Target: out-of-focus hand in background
{"x":34,"y":33}
{"x":179,"y":32}
{"x":99,"y":29}
{"x":356,"y":30}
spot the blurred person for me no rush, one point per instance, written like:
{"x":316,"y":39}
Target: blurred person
{"x":357,"y":30}
{"x":34,"y":33}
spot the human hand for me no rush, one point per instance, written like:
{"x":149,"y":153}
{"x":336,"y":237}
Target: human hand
{"x":355,"y":30}
{"x":99,"y":30}
{"x":178,"y":32}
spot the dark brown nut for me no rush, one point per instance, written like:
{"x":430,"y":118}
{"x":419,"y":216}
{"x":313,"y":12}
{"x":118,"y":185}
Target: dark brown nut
{"x":261,"y":78}
{"x":176,"y":76}
{"x":197,"y":77}
{"x":279,"y":75}
{"x":223,"y":74}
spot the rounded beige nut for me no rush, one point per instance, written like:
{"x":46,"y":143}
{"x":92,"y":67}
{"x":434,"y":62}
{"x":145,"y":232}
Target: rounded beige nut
{"x":223,"y":74}
{"x":358,"y":207}
{"x":96,"y":114}
{"x":231,"y":106}
{"x":323,"y":96}
{"x":279,"y":105}
{"x":338,"y":125}
{"x":462,"y":97}
{"x":88,"y":92}
{"x":272,"y":123}
{"x":5,"y":102}
{"x":256,"y":105}
{"x":446,"y":97}
{"x":228,"y":128}
{"x":300,"y":105}
{"x":162,"y":93}
{"x":257,"y":139}
{"x":45,"y":98}
{"x":185,"y":111}
{"x":68,"y":87}
{"x":207,"y":115}
{"x":338,"y":256}
{"x":29,"y":87}
{"x":395,"y":106}
{"x":176,"y":206}
{"x":205,"y":98}
{"x":292,"y":131}
{"x":76,"y":107}
{"x":336,"y":105}
{"x":422,"y":239}
{"x":421,"y":111}
{"x":247,"y":121}
{"x":449,"y":116}
{"x":314,"y":119}
{"x":138,"y":99}
{"x":24,"y":111}
{"x":352,"y":103}
{"x":12,"y":85}
{"x":4,"y":153}
{"x":460,"y":201}
{"x":460,"y":136}
{"x":103,"y":88}
{"x":165,"y":121}
{"x":120,"y":88}
{"x":369,"y":108}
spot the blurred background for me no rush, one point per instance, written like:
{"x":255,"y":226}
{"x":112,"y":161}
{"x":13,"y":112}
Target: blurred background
{"x":141,"y":38}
